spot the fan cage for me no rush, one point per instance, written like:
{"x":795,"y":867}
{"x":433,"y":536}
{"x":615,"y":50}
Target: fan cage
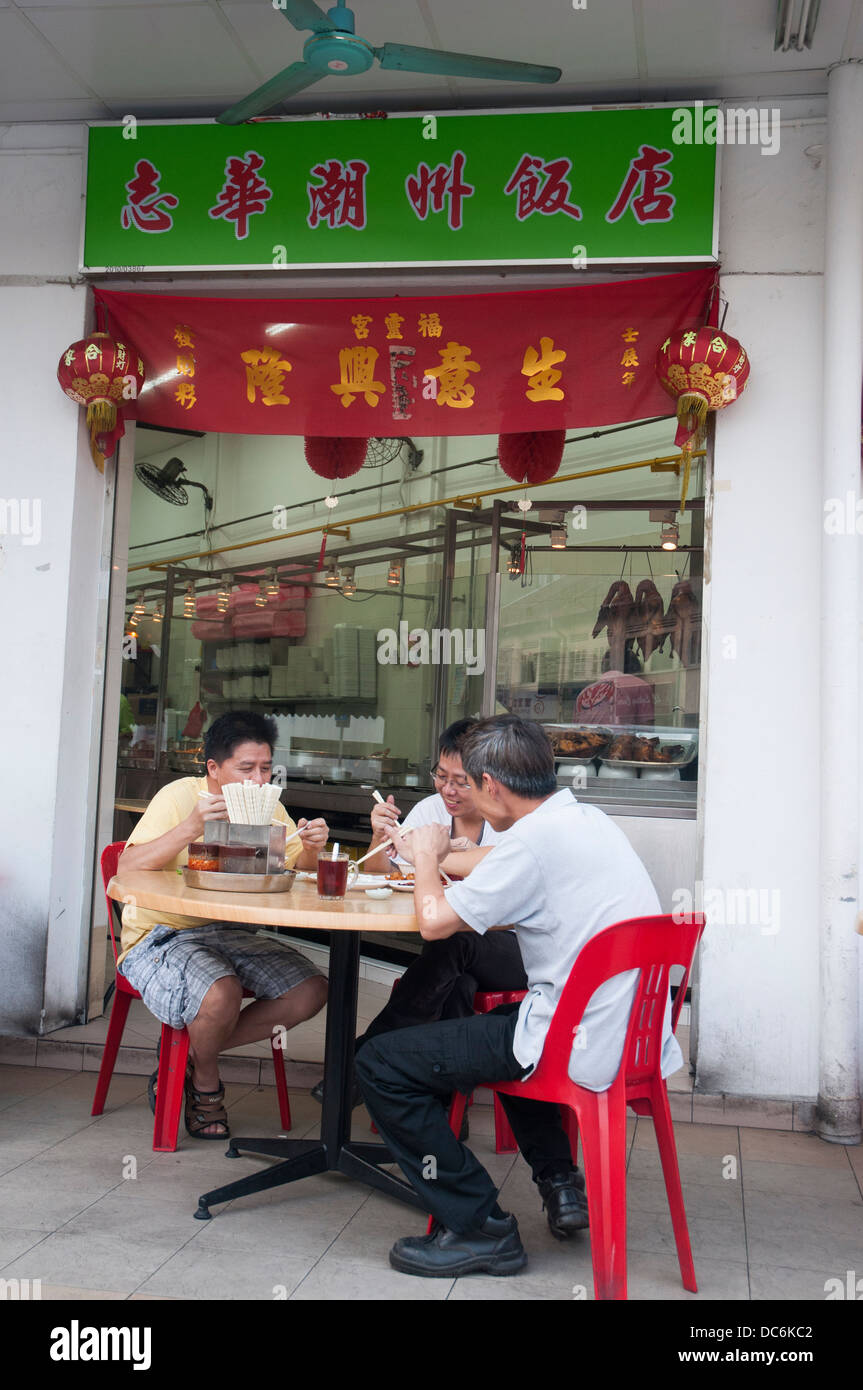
{"x":382,"y":451}
{"x":169,"y":492}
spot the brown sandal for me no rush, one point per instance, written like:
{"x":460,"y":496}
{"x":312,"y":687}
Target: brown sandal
{"x":204,"y":1108}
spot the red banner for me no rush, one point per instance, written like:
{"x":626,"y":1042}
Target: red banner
{"x":433,"y":365}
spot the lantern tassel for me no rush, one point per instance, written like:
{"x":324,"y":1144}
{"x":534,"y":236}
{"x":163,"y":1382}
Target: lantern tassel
{"x":691,"y":416}
{"x":102,"y":420}
{"x":102,"y":417}
{"x":686,"y":459}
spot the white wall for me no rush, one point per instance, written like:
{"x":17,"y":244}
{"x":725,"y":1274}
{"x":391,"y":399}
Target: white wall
{"x":50,"y":594}
{"x":758,"y":1001}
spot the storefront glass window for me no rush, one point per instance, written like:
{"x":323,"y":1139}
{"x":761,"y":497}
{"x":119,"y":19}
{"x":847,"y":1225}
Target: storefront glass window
{"x":601,"y":643}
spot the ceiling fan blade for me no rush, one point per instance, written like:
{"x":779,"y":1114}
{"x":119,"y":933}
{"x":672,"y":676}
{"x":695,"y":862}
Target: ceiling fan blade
{"x":433,"y":60}
{"x":305,"y":14}
{"x":285,"y":84}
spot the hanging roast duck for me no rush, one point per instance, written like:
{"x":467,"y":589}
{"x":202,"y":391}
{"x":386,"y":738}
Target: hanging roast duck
{"x":615,"y":613}
{"x":648,"y":619}
{"x":683,"y":621}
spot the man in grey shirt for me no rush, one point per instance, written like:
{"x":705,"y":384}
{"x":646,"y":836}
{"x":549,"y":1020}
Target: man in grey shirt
{"x":561,"y":873}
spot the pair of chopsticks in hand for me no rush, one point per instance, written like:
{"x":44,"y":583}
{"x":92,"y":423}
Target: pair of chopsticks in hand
{"x":389,"y":840}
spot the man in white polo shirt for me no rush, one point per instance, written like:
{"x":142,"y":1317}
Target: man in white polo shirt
{"x":559,"y":874}
{"x":442,"y":982}
{"x":445,"y":978}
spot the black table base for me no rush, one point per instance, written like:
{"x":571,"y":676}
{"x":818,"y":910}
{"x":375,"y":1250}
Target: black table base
{"x":334,"y":1152}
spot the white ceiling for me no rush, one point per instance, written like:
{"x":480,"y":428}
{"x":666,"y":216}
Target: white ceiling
{"x":104,"y":59}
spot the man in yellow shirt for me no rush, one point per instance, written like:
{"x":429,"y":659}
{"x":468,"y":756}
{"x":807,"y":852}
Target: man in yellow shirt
{"x":191,"y":971}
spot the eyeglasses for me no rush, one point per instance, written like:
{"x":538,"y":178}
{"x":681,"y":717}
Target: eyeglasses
{"x":460,"y":784}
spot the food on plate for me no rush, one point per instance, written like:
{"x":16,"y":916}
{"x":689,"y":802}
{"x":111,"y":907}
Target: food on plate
{"x":671,"y":753}
{"x":406,"y":878}
{"x":577,"y":744}
{"x":621,"y":749}
{"x":632,"y":748}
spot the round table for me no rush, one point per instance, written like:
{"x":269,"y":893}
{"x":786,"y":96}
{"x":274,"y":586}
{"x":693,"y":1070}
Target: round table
{"x":166,"y":891}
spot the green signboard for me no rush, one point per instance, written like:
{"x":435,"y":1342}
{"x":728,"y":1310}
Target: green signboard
{"x":562,"y":187}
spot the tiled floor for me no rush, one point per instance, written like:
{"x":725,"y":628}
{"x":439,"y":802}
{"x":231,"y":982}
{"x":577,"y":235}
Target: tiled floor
{"x":88,"y":1209}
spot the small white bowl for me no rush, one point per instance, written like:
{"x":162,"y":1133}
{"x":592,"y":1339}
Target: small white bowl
{"x":379,"y":892}
{"x":609,"y":772}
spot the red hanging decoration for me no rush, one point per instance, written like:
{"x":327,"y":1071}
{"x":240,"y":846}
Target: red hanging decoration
{"x":533,"y":457}
{"x":101,"y":374}
{"x":703,"y":369}
{"x":335,"y":457}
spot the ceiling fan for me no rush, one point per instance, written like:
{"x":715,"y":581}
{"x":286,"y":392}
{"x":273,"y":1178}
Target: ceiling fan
{"x":335,"y":50}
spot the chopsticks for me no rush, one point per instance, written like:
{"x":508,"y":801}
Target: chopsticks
{"x":288,"y":838}
{"x":410,"y":829}
{"x":387,"y":841}
{"x":377,"y":796}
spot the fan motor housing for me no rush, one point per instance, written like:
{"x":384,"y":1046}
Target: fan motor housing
{"x":338,"y":55}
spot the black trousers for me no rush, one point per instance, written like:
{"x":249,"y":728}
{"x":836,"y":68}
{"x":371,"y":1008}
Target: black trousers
{"x":442,"y":982}
{"x":407,"y":1078}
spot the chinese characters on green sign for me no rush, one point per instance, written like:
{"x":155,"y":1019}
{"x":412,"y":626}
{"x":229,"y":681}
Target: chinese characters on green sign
{"x":549,"y":187}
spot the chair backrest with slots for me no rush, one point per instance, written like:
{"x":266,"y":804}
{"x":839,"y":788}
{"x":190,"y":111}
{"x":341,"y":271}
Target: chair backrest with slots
{"x":648,"y":944}
{"x":109,"y":861}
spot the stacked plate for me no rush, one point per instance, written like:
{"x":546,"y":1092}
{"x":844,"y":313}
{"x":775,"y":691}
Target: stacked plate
{"x":345,"y":675}
{"x":368,"y":664}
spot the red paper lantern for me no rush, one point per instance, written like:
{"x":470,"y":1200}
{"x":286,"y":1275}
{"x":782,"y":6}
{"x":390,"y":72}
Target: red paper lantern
{"x":533,"y":457}
{"x":703,"y":369}
{"x":101,"y":374}
{"x":335,"y":458}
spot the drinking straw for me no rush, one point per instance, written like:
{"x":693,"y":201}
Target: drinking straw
{"x":336,"y":850}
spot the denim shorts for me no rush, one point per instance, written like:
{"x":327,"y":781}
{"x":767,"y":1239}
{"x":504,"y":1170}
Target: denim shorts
{"x":172,"y":969}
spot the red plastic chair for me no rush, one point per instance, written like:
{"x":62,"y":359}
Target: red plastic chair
{"x":651,"y":945}
{"x":174,"y":1051}
{"x":483,"y":1003}
{"x":504,"y":1139}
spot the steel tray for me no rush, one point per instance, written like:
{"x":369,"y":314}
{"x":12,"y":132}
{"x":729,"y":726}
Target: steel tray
{"x":239,"y":883}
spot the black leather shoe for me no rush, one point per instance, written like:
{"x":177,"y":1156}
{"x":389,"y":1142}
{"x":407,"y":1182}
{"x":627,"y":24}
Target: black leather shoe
{"x":317,"y":1093}
{"x":565,"y":1204}
{"x":494,"y":1248}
